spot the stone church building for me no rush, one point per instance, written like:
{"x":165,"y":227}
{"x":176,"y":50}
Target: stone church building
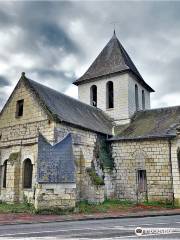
{"x":56,"y":150}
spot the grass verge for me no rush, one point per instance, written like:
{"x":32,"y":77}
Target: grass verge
{"x":83,"y":207}
{"x":16,"y":208}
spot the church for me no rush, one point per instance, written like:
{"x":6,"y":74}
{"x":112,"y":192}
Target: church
{"x":56,"y":150}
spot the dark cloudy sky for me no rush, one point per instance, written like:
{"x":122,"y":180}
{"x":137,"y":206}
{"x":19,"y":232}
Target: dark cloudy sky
{"x":55,"y":42}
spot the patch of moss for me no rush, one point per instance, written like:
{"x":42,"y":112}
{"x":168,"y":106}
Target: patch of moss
{"x":14,"y":156}
{"x":95,"y":178}
{"x":102,"y":153}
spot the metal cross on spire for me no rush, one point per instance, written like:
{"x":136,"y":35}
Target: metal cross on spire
{"x":114,"y":26}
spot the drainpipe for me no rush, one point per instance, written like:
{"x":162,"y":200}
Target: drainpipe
{"x":170,"y":161}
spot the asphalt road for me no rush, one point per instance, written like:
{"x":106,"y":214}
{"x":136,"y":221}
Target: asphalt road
{"x":94,"y":229}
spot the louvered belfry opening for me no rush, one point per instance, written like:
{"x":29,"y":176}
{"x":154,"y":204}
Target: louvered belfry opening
{"x":136,"y":98}
{"x":110,"y":94}
{"x":93,"y":95}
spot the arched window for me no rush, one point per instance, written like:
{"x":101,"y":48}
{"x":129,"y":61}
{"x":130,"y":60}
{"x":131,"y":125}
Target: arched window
{"x":28,"y":169}
{"x":178,"y":158}
{"x":110,"y":94}
{"x":136,"y":98}
{"x":4,"y":172}
{"x":93,"y":95}
{"x":143,"y":100}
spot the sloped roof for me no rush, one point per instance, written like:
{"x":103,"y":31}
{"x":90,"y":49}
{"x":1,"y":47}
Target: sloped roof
{"x":55,"y":164}
{"x":155,"y":123}
{"x":112,"y":59}
{"x":66,"y":109}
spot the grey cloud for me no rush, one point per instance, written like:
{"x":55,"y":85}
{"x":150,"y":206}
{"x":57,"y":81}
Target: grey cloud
{"x":146,"y":29}
{"x":58,"y":80}
{"x":5,"y":19}
{"x":46,"y":73}
{"x":4,"y":81}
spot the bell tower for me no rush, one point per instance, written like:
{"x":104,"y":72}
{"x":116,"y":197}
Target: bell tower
{"x":113,"y":84}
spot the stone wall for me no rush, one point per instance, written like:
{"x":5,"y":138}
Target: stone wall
{"x":21,"y":138}
{"x":21,"y":135}
{"x":152,"y":156}
{"x":83,"y":149}
{"x":175,"y":144}
{"x":94,"y":193}
{"x":31,"y":111}
{"x":55,"y":196}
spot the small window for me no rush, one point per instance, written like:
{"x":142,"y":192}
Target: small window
{"x":143,"y":100}
{"x":4,"y":171}
{"x":93,"y":95}
{"x":178,"y":158}
{"x":136,"y":98}
{"x":142,"y":181}
{"x":19,"y":108}
{"x":110,"y":94}
{"x":28,"y":169}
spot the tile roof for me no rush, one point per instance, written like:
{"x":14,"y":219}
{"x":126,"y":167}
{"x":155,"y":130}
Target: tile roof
{"x":154,"y":123}
{"x":112,"y":59}
{"x":66,"y":109}
{"x":55,"y":164}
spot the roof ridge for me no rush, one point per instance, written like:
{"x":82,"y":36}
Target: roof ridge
{"x":74,"y":99}
{"x":127,"y":58}
{"x":161,"y":108}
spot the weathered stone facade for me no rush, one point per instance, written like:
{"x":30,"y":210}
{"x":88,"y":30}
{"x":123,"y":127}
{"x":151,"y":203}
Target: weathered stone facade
{"x":140,"y":162}
{"x":20,"y":135}
{"x":149,"y":155}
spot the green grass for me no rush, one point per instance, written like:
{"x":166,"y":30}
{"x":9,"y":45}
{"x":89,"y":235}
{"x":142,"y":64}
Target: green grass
{"x":107,"y":205}
{"x":85,"y":208}
{"x":16,"y":208}
{"x":163,"y":204}
{"x":55,"y":211}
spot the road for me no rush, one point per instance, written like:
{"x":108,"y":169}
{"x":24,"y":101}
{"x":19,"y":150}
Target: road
{"x":92,"y":229}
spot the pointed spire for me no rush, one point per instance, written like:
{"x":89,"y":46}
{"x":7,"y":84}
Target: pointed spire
{"x":114,"y":33}
{"x":112,"y":59}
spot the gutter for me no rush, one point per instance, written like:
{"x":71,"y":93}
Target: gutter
{"x":141,"y":138}
{"x":170,"y":162}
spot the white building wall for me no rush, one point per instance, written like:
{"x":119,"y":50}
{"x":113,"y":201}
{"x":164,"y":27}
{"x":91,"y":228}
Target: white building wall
{"x":120,"y":84}
{"x":131,"y":95}
{"x":124,"y":96}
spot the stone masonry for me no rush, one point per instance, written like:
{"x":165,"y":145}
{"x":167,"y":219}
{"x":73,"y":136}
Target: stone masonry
{"x":21,"y":135}
{"x":152,"y":156}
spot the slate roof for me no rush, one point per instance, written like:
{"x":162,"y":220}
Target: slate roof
{"x":66,"y":109}
{"x":55,"y":164}
{"x":154,"y":123}
{"x":112,"y":59}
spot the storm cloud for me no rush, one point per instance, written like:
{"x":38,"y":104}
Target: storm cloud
{"x":3,"y":81}
{"x":55,"y":42}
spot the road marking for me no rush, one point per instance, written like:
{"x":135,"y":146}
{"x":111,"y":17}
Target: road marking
{"x":61,"y":230}
{"x":149,"y":224}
